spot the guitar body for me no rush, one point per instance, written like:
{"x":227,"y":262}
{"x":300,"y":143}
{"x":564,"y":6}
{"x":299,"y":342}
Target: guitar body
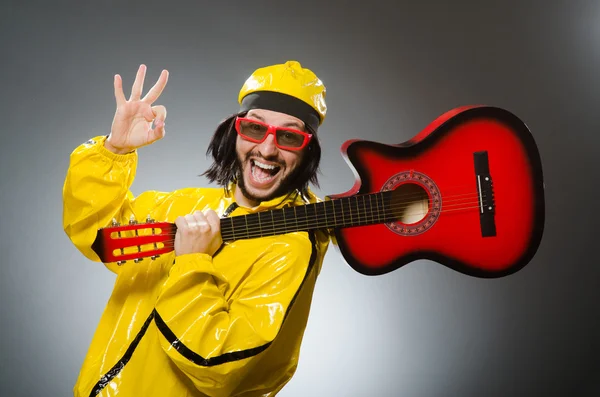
{"x":468,"y":192}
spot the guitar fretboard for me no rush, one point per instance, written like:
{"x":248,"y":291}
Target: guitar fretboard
{"x":356,"y":210}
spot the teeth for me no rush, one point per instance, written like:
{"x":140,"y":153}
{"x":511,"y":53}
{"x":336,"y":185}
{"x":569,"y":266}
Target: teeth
{"x":262,"y":178}
{"x":264,"y":166}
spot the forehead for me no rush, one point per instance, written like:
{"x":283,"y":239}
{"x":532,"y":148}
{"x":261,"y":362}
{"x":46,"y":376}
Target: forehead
{"x":275,"y":118}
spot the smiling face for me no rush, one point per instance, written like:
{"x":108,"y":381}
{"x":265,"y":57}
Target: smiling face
{"x":266,"y":170}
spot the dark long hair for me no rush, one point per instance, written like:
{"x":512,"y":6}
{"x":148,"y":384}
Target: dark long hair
{"x":225,"y":166}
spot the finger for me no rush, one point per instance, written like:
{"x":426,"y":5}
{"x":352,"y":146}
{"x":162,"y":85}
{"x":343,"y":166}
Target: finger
{"x":119,"y":95}
{"x":158,"y":132}
{"x":138,"y":84}
{"x":213,"y":220}
{"x":158,"y":88}
{"x":148,"y":114}
{"x":193,"y":222}
{"x":181,"y":223}
{"x":201,"y":221}
{"x":188,"y":224}
{"x":189,"y":218}
{"x":159,"y":112}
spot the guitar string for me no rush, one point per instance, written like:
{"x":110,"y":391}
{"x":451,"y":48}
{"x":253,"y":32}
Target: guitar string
{"x":397,"y":198}
{"x":169,"y":243}
{"x":398,"y":204}
{"x":354,"y":211}
{"x":373,"y":207}
{"x":261,"y":231}
{"x":364,"y":215}
{"x":368,"y":217}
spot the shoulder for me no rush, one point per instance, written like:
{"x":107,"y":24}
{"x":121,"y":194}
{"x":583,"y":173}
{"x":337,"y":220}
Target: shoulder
{"x":309,"y":197}
{"x":187,"y":193}
{"x":196,"y":192}
{"x":168,"y":205}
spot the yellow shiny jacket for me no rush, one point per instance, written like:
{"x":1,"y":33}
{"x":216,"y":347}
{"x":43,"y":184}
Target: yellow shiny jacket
{"x":195,"y":325}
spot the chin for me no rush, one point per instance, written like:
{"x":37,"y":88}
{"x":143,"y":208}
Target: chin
{"x":261,"y":195}
{"x":257,"y":194}
{"x":279,"y":186}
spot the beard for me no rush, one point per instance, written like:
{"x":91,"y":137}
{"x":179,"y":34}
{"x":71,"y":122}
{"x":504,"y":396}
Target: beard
{"x":286,"y":184}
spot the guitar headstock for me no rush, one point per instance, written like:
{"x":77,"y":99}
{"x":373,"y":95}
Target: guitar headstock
{"x":134,"y":241}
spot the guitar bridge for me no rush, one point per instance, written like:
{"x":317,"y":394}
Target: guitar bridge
{"x":485,"y":194}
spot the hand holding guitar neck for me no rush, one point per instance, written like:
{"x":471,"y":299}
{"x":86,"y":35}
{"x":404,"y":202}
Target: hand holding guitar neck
{"x":132,"y":124}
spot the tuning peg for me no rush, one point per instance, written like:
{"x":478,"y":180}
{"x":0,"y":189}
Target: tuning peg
{"x":119,"y":263}
{"x":150,"y":220}
{"x":132,"y":220}
{"x":114,"y":222}
{"x":138,"y":260}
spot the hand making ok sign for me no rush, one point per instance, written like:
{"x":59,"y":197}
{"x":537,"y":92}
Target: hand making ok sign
{"x":132,"y":124}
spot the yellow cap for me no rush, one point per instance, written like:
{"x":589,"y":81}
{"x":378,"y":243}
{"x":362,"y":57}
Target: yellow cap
{"x":291,"y":79}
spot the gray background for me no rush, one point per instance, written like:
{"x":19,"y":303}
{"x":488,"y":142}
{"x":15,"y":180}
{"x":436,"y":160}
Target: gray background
{"x":423,"y":330}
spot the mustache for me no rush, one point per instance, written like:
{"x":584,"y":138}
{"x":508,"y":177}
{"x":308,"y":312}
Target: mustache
{"x":273,"y":159}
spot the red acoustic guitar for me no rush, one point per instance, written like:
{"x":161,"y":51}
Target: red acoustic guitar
{"x":466,"y":192}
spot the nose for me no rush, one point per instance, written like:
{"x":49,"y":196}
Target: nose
{"x":267,"y":147}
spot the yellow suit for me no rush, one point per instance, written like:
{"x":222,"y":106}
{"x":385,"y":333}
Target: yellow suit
{"x":195,"y":325}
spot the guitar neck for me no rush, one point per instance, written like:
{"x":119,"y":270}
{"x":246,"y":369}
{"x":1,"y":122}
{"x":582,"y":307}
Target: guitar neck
{"x":156,"y":238}
{"x":356,"y":210}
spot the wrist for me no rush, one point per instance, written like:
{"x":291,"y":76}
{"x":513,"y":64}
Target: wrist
{"x":113,"y":149}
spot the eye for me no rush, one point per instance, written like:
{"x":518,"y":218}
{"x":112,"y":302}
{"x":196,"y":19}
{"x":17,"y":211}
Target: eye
{"x":290,"y":138}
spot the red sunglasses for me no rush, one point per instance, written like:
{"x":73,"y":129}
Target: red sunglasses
{"x":285,"y":138}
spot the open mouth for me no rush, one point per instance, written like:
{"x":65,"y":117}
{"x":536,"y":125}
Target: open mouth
{"x":262,"y":172}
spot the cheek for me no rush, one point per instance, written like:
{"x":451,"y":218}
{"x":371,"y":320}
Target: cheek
{"x":242,"y":147}
{"x":293,"y":160}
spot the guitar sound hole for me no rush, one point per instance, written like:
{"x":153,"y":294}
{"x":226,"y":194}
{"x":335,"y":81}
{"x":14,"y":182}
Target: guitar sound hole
{"x":410,"y":203}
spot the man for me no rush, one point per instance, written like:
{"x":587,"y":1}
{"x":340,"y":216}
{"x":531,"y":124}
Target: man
{"x":207,"y":319}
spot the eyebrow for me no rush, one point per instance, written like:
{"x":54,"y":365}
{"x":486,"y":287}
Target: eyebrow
{"x":288,"y":124}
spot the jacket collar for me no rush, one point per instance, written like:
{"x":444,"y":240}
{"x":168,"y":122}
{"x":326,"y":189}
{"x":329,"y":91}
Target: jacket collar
{"x":291,"y":199}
